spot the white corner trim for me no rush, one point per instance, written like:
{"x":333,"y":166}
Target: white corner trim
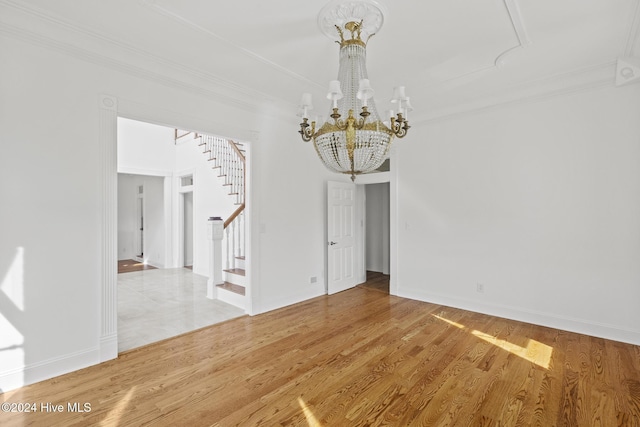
{"x":108,"y":160}
{"x":518,"y":22}
{"x":627,"y":71}
{"x":108,"y":102}
{"x":108,"y":347}
{"x":632,"y":45}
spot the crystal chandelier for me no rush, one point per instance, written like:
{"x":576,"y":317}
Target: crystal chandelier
{"x":354,"y":140}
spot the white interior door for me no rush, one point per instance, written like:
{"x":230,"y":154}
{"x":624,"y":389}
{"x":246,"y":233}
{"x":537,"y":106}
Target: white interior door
{"x":341,"y":245}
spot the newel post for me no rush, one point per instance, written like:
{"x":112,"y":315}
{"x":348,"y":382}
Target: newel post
{"x":215,"y":232}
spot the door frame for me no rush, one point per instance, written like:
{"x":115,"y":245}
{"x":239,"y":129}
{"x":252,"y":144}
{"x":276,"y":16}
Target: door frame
{"x":361,"y":181}
{"x":138,"y":246}
{"x":109,"y":110}
{"x":179,"y":230}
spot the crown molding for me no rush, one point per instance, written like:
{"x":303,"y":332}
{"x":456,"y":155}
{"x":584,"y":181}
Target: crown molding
{"x":37,"y":27}
{"x":579,"y":80}
{"x":55,"y":33}
{"x":504,"y":57}
{"x":153,"y":6}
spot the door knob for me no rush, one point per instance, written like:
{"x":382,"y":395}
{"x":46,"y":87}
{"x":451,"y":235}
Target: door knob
{"x":333,"y":243}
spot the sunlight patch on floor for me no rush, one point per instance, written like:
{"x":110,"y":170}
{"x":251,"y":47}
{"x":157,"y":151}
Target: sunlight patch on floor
{"x":114,"y":416}
{"x":535,"y":352}
{"x":311,"y":419}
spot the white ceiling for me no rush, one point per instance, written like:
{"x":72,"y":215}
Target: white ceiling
{"x":453,"y":55}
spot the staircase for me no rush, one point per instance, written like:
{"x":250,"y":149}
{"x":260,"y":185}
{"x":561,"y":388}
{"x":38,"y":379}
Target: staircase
{"x":228,"y":159}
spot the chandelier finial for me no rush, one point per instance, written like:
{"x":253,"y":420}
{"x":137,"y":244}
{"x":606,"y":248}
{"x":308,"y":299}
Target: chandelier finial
{"x":356,"y":34}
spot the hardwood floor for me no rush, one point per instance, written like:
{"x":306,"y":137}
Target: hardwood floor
{"x":357,"y":358}
{"x":376,"y":281}
{"x":129,"y":265}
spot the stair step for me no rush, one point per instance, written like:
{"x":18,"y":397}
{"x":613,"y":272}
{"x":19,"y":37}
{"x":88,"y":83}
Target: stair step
{"x":238,"y":271}
{"x":232,"y":287}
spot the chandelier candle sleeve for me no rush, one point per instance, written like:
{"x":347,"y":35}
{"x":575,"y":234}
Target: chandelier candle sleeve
{"x":354,"y":140}
{"x":305,"y":104}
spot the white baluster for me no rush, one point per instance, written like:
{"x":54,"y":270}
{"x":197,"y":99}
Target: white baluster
{"x":227,"y":263}
{"x":233,"y":244}
{"x":241,"y":233}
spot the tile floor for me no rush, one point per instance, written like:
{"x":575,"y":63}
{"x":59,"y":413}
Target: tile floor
{"x":158,"y":304}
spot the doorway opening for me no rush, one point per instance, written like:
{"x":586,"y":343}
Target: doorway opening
{"x":360,"y":232}
{"x":167,"y":189}
{"x":377,"y":230}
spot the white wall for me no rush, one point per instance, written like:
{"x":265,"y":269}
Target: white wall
{"x":289,"y":216}
{"x":210,"y":198}
{"x":539,"y":202}
{"x":145,"y":148}
{"x":56,"y":209}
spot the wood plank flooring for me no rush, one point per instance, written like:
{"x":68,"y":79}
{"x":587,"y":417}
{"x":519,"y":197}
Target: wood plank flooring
{"x":129,"y":265}
{"x":357,"y":358}
{"x":376,"y":281}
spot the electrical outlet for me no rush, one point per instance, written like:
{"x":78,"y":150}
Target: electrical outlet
{"x":313,"y":279}
{"x":480,"y":287}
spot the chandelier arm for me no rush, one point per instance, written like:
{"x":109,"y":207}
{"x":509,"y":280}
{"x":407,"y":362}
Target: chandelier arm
{"x":307,"y":131}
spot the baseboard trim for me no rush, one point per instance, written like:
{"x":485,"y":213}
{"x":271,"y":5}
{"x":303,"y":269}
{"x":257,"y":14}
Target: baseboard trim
{"x":549,"y":320}
{"x":275,"y":304}
{"x":44,"y":370}
{"x":108,"y":347}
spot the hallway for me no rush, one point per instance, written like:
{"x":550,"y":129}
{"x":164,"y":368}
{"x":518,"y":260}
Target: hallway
{"x":156,"y":304}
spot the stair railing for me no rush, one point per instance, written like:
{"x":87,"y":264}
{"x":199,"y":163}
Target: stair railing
{"x":228,"y":158}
